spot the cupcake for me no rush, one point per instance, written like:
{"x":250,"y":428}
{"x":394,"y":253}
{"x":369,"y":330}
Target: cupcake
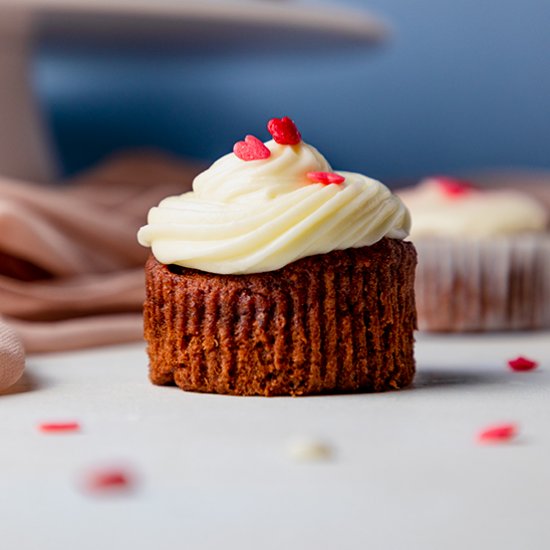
{"x":276,"y":275}
{"x":484,"y":257}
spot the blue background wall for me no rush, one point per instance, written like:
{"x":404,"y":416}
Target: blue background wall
{"x":460,"y":85}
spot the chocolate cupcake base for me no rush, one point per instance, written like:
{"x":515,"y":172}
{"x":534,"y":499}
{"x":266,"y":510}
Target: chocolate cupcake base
{"x":336,"y":322}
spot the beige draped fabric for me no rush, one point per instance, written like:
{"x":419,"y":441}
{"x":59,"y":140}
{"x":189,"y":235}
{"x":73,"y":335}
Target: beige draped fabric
{"x":71,"y":270}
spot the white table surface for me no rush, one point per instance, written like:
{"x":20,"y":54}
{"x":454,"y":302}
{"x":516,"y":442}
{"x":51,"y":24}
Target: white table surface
{"x":215,"y":471}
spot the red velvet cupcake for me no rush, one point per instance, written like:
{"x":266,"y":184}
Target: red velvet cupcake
{"x":278,"y":276}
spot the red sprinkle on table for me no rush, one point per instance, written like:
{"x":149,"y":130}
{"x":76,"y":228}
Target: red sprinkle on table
{"x":325,"y":177}
{"x":50,"y":427}
{"x":284,"y":131}
{"x":498,"y":434}
{"x":251,"y":149}
{"x":522,"y":364}
{"x":454,"y":187}
{"x":107,"y":480}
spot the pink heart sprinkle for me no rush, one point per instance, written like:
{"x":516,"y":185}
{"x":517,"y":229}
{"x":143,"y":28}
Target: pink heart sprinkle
{"x":108,"y":481}
{"x":251,"y":149}
{"x":50,"y":427}
{"x":453,"y":187}
{"x":498,"y":434}
{"x":325,"y":178}
{"x":284,"y":131}
{"x":522,"y":364}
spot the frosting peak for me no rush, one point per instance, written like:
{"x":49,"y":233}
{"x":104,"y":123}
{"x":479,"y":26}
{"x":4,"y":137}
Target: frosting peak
{"x":231,"y":179}
{"x":260,"y":215}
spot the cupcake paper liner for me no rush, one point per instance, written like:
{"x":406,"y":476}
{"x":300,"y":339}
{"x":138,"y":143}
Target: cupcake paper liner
{"x":488,"y":284}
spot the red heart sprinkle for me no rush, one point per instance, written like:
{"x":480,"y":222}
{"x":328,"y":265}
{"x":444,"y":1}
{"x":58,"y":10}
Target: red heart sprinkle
{"x":325,"y":177}
{"x":284,"y":131}
{"x":251,"y":149}
{"x":453,"y":187}
{"x":522,"y":364}
{"x":498,"y":434}
{"x":59,"y":427}
{"x":108,"y":480}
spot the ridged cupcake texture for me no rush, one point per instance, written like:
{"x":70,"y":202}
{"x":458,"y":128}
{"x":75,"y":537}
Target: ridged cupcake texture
{"x":483,"y":285}
{"x":278,"y":276}
{"x":338,"y":322}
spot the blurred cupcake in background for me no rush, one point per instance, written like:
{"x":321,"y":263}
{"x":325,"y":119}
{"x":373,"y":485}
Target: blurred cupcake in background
{"x":533,"y":182}
{"x":484,"y":257}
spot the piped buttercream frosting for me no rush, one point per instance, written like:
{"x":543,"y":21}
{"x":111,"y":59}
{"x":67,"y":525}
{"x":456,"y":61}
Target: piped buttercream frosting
{"x":472,"y":213}
{"x":260,"y":215}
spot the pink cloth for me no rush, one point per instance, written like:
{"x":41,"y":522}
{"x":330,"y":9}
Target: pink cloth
{"x":71,"y":270}
{"x":12,"y":357}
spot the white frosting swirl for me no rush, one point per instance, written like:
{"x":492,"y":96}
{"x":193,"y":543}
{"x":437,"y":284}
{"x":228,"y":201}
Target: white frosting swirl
{"x":256,"y":216}
{"x":474,"y":213}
